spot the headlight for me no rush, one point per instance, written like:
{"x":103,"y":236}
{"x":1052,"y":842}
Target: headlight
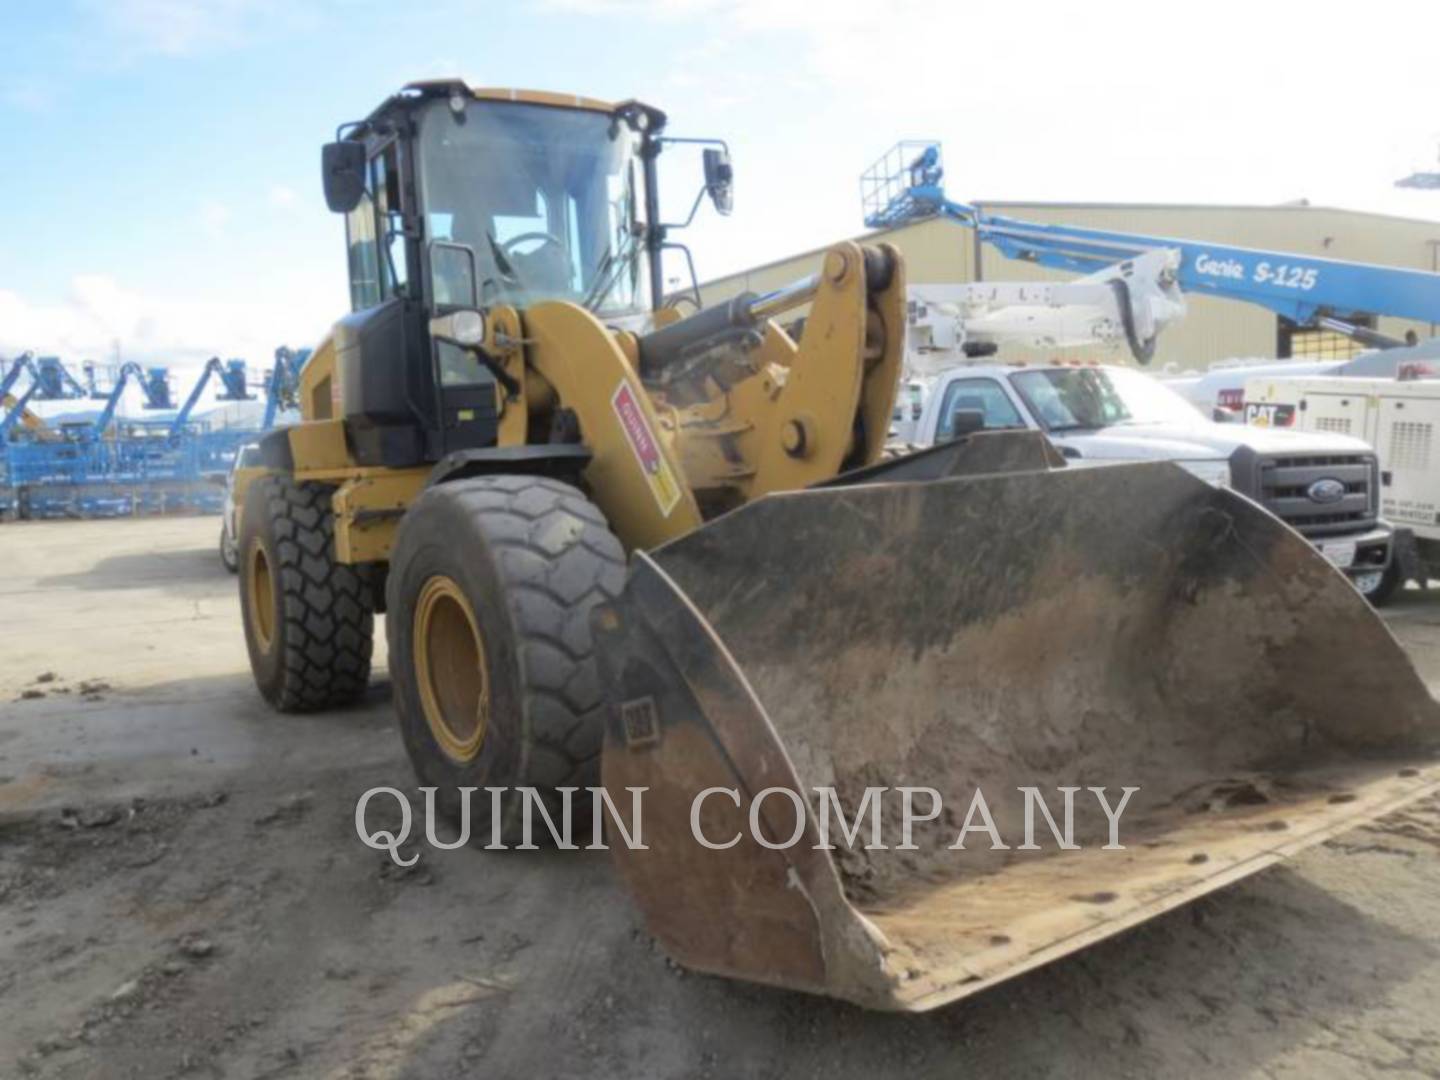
{"x":459,"y":327}
{"x":1214,"y":473}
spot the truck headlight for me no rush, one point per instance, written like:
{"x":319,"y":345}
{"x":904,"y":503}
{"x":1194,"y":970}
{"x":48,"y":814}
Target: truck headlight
{"x":1214,"y":473}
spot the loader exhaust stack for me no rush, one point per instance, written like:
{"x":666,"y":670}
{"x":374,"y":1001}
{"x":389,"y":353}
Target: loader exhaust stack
{"x":1127,"y":626}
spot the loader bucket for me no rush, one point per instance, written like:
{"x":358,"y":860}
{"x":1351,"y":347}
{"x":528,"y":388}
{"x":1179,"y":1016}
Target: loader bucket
{"x":1126,"y":626}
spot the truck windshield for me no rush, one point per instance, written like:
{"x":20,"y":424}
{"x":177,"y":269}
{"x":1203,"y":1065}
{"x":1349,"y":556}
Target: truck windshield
{"x":1073,"y":399}
{"x":549,"y":201}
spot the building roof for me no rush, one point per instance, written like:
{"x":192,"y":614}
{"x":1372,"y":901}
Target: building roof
{"x":873,"y":235}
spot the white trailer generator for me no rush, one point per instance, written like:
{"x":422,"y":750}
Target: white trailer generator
{"x":1400,"y":418}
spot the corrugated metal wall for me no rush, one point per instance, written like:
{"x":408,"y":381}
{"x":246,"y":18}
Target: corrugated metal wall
{"x":939,"y":251}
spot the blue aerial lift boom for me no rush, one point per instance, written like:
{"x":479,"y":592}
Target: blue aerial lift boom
{"x":283,"y":383}
{"x":49,"y":381}
{"x":95,"y":468}
{"x":17,"y":367}
{"x":908,"y":184}
{"x":153,"y":382}
{"x":232,"y":388}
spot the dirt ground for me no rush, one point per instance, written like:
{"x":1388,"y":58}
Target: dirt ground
{"x":182,"y":894}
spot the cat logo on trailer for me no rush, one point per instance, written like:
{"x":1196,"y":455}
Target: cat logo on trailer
{"x":1259,"y":414}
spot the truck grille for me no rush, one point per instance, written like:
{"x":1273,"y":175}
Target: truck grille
{"x":1285,"y":484}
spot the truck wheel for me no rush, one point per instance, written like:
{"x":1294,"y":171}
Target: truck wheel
{"x":488,"y":601}
{"x":1391,"y":580}
{"x":309,"y":621}
{"x":229,"y":558}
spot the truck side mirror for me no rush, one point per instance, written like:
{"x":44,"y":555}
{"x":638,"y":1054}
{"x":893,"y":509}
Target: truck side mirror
{"x":342,"y":165}
{"x":719,"y":179}
{"x":966,"y":422}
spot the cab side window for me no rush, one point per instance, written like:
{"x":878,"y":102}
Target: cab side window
{"x":379,"y":267}
{"x":364,"y":254}
{"x":385,"y":183}
{"x":983,"y":395}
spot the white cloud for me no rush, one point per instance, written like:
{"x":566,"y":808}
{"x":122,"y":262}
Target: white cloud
{"x":1120,"y":102}
{"x":282,"y":197}
{"x":98,"y":312}
{"x":214,"y":217}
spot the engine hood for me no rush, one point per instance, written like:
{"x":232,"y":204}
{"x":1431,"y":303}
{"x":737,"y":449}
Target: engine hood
{"x":1161,"y":442}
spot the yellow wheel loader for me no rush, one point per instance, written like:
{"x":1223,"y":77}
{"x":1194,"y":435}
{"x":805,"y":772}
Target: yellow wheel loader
{"x":594,"y":525}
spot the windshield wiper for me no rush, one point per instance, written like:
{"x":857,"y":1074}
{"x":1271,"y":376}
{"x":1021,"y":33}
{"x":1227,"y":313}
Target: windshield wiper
{"x":503,"y":264}
{"x":608,"y":271}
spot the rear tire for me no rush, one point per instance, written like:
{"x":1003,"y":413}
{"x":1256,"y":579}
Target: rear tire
{"x":488,"y":601}
{"x":309,"y":620}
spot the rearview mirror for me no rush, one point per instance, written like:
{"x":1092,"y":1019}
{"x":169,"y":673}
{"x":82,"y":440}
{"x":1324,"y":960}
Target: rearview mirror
{"x":342,"y":165}
{"x":719,"y":179}
{"x":966,"y":422}
{"x":452,"y":270}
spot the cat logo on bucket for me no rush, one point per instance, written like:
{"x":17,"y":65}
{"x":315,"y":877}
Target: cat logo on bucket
{"x":658,"y":473}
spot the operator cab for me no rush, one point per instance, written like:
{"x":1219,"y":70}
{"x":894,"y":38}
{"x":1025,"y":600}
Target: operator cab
{"x":457,"y":200}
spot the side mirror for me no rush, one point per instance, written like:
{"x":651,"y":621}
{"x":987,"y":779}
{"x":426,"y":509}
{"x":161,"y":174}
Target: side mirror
{"x":719,"y":179}
{"x":452,"y":270}
{"x":342,"y":165}
{"x":966,"y":422}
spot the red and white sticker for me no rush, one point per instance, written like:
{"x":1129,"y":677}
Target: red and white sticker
{"x":658,"y":474}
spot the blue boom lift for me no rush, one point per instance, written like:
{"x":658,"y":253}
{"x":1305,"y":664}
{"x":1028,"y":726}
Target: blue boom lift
{"x":908,"y":184}
{"x":108,"y":466}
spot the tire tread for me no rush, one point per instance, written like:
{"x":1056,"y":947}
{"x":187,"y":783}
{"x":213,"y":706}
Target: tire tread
{"x":326,"y":606}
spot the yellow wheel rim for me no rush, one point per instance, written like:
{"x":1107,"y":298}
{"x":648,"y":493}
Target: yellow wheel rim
{"x":262,"y":596}
{"x":450,"y":669}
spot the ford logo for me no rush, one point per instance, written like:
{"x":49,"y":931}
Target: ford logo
{"x":1326,"y":490}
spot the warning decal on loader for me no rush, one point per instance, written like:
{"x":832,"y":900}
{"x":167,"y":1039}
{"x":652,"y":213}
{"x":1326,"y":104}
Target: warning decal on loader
{"x":658,"y":474}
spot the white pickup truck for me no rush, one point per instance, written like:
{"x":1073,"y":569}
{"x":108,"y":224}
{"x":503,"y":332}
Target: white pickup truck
{"x":1326,"y":486}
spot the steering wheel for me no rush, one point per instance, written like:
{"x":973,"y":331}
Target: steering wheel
{"x":510,"y":245}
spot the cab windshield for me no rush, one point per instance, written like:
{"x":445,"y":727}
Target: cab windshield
{"x":531,"y":202}
{"x":1081,"y":398}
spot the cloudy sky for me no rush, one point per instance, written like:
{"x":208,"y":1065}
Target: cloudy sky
{"x":161,"y":191}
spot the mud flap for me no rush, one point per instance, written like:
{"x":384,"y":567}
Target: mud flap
{"x":1126,"y":626}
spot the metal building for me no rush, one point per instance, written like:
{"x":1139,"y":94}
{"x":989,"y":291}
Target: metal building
{"x":938,"y":251}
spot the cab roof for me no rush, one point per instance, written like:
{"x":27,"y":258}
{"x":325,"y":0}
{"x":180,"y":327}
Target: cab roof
{"x":431,"y":87}
{"x":444,"y":88}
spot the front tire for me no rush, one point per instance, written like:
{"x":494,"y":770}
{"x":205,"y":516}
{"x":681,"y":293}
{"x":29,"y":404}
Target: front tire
{"x":1390,"y":581}
{"x":488,"y":600}
{"x":309,"y":620}
{"x":229,"y":557}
